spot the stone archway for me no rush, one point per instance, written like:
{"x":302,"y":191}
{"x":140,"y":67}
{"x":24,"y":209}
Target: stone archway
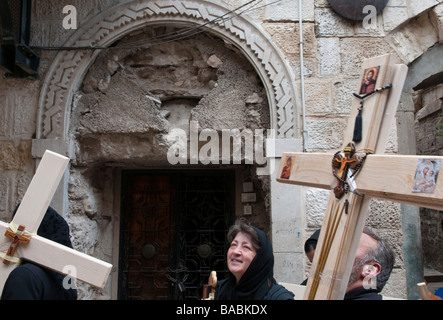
{"x":67,"y":73}
{"x":68,"y":67}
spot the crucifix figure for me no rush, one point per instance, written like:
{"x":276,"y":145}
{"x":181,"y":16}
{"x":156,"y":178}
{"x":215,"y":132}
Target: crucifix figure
{"x":358,"y":172}
{"x":18,"y":239}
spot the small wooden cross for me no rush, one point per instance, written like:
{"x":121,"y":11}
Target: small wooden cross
{"x":28,"y":245}
{"x":17,"y":238}
{"x":390,"y":177}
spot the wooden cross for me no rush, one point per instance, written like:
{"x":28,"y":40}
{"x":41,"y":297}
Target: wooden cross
{"x":28,"y":245}
{"x":17,"y":237}
{"x":390,"y":177}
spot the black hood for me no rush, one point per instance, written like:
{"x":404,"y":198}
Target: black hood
{"x":55,"y":228}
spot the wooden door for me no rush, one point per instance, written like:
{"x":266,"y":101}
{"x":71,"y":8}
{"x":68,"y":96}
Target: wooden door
{"x":147,"y":233}
{"x":173,"y":230}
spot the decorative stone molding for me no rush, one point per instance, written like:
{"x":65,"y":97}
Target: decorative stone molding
{"x":68,"y":68}
{"x":414,"y":37}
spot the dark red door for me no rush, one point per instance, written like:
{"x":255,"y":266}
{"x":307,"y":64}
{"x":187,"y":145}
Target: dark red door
{"x":173,"y":230}
{"x":147,"y":236}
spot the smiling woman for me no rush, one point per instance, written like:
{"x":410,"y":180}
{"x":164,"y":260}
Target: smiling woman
{"x":250,"y":261}
{"x":242,"y":251}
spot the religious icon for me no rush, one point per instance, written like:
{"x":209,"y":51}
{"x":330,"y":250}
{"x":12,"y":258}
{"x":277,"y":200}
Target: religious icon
{"x":426,"y":175}
{"x":369,"y":79}
{"x":286,"y":171}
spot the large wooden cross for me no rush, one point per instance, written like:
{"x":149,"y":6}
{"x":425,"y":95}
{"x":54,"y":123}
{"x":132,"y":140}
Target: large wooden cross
{"x":391,"y":177}
{"x":21,"y":241}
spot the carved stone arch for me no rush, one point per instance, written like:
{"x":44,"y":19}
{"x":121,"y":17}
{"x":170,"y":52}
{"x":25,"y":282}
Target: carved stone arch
{"x":68,"y":68}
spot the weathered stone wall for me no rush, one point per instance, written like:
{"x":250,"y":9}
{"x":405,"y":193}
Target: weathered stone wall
{"x":18,"y":124}
{"x":429,"y":105}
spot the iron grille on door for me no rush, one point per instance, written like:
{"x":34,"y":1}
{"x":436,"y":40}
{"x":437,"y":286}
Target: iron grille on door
{"x":173,"y":231}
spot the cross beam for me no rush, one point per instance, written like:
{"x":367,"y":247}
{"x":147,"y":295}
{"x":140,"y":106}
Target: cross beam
{"x":42,"y":251}
{"x":388,"y":177}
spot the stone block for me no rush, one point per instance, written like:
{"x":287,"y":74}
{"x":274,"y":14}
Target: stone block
{"x":395,"y":287}
{"x":397,"y":3}
{"x":288,"y":267}
{"x":4,"y":115}
{"x":287,"y":235}
{"x":428,"y":110}
{"x":406,"y":103}
{"x":287,"y":37}
{"x":384,"y":215}
{"x":355,"y":50}
{"x":24,"y":110}
{"x":406,"y":136}
{"x":15,"y":156}
{"x":437,"y":16}
{"x":392,"y":142}
{"x":287,"y":230}
{"x":330,"y":24}
{"x":5,"y":187}
{"x":289,"y":11}
{"x":433,"y":95}
{"x":309,"y":67}
{"x":325,"y":134}
{"x":414,"y":38}
{"x":318,"y":97}
{"x":275,"y":147}
{"x":315,"y":203}
{"x":63,"y":147}
{"x":329,"y":56}
{"x":20,"y":185}
{"x":417,"y":7}
{"x":393,"y":17}
{"x":343,"y":97}
{"x":84,"y":231}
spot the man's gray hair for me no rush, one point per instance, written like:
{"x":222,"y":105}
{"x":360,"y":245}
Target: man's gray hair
{"x":381,"y":254}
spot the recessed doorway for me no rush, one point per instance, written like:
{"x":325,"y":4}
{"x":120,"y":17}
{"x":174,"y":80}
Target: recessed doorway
{"x":173,"y":230}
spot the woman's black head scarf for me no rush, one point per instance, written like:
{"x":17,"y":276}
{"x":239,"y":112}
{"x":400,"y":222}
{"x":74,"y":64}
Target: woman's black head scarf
{"x":54,"y":227}
{"x":258,"y":278}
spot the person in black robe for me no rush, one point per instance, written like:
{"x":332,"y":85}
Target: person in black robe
{"x":257,"y":282}
{"x":30,"y":281}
